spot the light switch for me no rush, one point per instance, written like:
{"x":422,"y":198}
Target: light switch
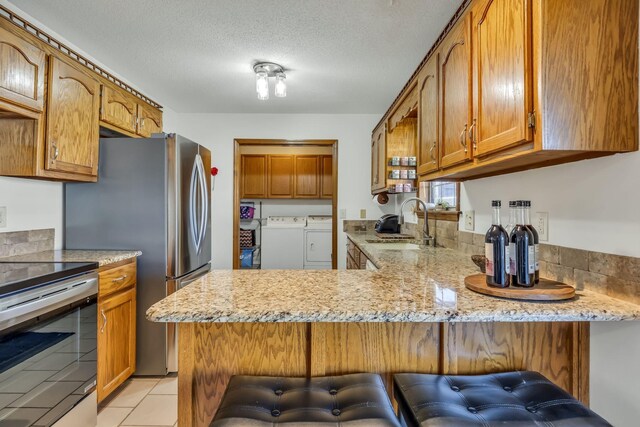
{"x":3,"y":216}
{"x":363,"y":213}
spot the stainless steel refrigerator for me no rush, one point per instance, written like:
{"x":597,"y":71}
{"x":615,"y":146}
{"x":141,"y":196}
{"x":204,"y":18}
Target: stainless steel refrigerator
{"x":153,"y":195}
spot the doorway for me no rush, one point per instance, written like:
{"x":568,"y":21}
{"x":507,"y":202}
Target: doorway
{"x":273,"y":178}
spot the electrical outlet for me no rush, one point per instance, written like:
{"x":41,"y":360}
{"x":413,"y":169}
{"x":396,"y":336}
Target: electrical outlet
{"x":541,"y":223}
{"x":470,"y":220}
{"x":343,"y":214}
{"x":3,"y":216}
{"x":363,"y":213}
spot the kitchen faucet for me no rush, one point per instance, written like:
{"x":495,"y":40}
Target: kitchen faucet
{"x":426,"y":238}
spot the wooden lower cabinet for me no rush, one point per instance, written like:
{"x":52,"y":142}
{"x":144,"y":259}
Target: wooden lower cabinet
{"x":210,"y":353}
{"x":116,"y":327}
{"x":356,"y":259}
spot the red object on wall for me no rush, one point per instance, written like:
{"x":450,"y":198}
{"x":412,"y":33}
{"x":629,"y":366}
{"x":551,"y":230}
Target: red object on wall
{"x":214,"y":171}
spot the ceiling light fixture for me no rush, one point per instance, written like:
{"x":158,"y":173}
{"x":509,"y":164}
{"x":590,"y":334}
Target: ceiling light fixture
{"x":263,"y":71}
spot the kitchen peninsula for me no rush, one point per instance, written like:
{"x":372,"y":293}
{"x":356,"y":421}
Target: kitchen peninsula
{"x":411,"y":315}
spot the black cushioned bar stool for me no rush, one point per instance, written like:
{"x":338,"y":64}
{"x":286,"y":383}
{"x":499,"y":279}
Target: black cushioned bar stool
{"x":511,"y":399}
{"x":346,"y":400}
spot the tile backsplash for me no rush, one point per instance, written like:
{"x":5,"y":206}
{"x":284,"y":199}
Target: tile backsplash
{"x":25,"y":242}
{"x":614,"y":275}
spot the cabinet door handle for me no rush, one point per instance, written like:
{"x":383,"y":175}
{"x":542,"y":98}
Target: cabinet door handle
{"x":104,"y":321}
{"x":463,"y":135}
{"x":141,"y":122}
{"x":56,"y":151}
{"x":472,"y":135}
{"x":119,"y":279}
{"x":433,"y":147}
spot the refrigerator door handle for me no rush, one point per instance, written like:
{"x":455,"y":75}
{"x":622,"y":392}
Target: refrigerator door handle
{"x":193,"y":222}
{"x":204,"y":208}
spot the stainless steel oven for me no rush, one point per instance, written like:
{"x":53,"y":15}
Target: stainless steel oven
{"x":48,"y":344}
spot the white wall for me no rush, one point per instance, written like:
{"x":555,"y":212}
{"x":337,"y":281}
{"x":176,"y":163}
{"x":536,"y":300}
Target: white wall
{"x":31,"y":205}
{"x":217,"y":131}
{"x":592,"y":205}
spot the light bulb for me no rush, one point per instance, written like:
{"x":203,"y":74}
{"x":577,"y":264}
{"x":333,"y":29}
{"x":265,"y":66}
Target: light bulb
{"x":262,"y":85}
{"x":281,"y":85}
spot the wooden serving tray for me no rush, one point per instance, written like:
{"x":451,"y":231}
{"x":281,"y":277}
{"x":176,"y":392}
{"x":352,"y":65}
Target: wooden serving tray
{"x":546,"y":290}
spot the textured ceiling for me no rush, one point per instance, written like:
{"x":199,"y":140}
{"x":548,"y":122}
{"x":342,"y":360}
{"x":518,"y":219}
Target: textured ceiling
{"x":195,"y":56}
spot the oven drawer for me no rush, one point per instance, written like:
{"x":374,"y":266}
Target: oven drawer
{"x":117,"y":278}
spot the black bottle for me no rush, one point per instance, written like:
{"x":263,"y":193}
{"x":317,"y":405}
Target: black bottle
{"x":496,"y":249}
{"x":536,"y":238}
{"x":522,"y":252}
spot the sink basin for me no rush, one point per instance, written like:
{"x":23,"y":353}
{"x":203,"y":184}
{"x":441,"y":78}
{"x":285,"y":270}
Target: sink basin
{"x":398,"y":246}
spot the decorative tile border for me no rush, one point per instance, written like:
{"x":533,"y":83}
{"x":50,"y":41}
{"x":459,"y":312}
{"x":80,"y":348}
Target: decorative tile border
{"x":26,"y":242}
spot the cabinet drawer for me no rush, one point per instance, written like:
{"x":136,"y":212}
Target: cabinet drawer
{"x":117,"y":278}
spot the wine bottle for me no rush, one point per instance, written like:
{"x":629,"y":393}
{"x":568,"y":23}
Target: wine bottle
{"x":536,"y":238}
{"x":521,"y":242}
{"x":496,"y":250}
{"x":512,"y":217}
{"x":511,"y":262}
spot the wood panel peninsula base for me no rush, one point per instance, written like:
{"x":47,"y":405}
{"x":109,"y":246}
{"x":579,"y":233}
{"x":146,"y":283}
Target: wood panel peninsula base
{"x":210,"y":353}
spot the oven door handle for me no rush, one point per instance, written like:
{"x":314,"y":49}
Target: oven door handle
{"x":18,"y":308}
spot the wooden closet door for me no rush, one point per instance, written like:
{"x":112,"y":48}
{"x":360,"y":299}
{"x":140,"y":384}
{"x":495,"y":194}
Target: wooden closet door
{"x":456,"y":95}
{"x":428,"y":117}
{"x":22,"y":68}
{"x":502,"y":75}
{"x":280,"y":177}
{"x":307,"y":177}
{"x":73,"y":120}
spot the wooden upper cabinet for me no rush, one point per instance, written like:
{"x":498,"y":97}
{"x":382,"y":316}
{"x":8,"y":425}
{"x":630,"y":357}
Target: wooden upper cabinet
{"x":326,"y":184}
{"x":149,"y":120}
{"x":280,"y":176}
{"x":307,"y":177}
{"x":72,"y":120}
{"x":378,"y":159}
{"x":428,"y":117}
{"x":253,"y":179}
{"x":116,"y":341}
{"x":405,"y":108}
{"x":118,"y":109}
{"x":22,"y":71}
{"x":502,"y":76}
{"x":456,"y":95}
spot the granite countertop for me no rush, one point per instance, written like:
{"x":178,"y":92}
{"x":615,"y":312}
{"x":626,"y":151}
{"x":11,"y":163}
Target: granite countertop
{"x":425,"y":285}
{"x":102,"y":257}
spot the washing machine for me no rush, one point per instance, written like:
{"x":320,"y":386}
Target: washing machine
{"x":318,"y":242}
{"x":283,"y":243}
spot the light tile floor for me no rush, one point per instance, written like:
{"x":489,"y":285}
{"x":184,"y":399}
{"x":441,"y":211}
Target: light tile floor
{"x":142,"y":402}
